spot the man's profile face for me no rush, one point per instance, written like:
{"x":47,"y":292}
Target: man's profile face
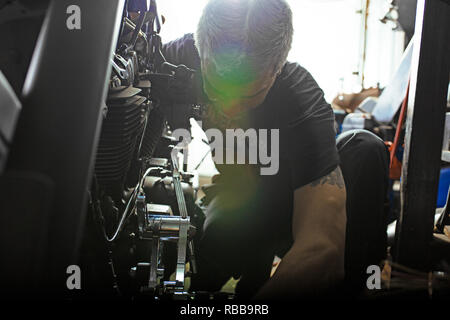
{"x":237,"y":90}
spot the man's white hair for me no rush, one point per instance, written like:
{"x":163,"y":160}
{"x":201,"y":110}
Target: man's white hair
{"x":233,"y":32}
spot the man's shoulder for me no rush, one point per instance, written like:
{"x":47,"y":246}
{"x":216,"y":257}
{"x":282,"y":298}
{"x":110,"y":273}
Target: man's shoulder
{"x":292,"y":70}
{"x":297,"y":83}
{"x":186,"y":40}
{"x":182,"y":51}
{"x":299,"y":93}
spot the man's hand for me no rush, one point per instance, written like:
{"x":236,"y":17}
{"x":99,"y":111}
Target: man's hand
{"x":315,"y":262}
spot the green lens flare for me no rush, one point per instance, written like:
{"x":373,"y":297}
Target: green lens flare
{"x":229,"y":78}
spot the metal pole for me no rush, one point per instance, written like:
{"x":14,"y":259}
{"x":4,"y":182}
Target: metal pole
{"x":424,"y":133}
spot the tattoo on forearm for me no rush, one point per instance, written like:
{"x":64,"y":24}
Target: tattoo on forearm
{"x":334,"y":178}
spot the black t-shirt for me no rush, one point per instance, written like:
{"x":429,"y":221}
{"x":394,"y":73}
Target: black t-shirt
{"x":307,"y":146}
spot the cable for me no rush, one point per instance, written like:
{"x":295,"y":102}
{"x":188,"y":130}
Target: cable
{"x":127,"y":208}
{"x":122,"y":219}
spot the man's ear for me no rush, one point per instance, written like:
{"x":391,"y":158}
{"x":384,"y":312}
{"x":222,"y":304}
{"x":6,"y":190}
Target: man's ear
{"x":278,"y":72}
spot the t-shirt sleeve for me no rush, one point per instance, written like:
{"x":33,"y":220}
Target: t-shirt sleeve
{"x":182,"y":51}
{"x":312,"y":150}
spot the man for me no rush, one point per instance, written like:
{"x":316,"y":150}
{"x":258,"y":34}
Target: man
{"x":299,"y":213}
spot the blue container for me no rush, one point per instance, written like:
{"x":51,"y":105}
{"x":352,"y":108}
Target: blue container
{"x":444,"y":183}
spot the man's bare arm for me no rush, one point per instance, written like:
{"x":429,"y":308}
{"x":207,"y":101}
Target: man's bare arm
{"x":315,"y":262}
